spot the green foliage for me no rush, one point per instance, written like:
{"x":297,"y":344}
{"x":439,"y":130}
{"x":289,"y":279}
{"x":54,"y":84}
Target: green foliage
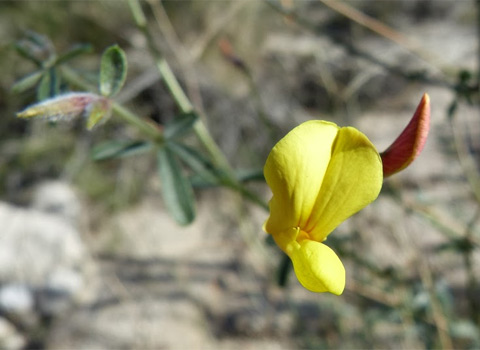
{"x":27,"y":82}
{"x":180,"y":126}
{"x":49,"y":85}
{"x":75,"y":51}
{"x":176,"y":189}
{"x":39,"y":50}
{"x":113,"y":71}
{"x":120,"y":149}
{"x":200,"y":165}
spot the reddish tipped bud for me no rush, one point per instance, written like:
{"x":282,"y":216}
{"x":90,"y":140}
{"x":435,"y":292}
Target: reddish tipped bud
{"x":71,"y":105}
{"x":411,"y":141}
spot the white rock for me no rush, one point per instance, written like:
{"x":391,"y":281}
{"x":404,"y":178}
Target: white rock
{"x":33,"y":244}
{"x":61,"y":288}
{"x":16,"y":298}
{"x":57,"y":197}
{"x":66,"y":281}
{"x":10,"y":339}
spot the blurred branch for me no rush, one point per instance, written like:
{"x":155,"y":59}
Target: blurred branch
{"x":408,"y":242}
{"x":163,"y":67}
{"x":183,"y":102}
{"x":215,"y":28}
{"x":441,"y":220}
{"x":375,"y":294}
{"x":420,"y":76}
{"x":381,"y":29}
{"x":466,"y":161}
{"x":229,"y":54}
{"x":181,"y":54}
{"x":472,"y":282}
{"x":393,"y":301}
{"x":438,"y":315}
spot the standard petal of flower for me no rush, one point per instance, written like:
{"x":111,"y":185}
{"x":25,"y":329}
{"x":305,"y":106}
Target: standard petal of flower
{"x":352,"y":181}
{"x":317,"y":267}
{"x":294,"y":170}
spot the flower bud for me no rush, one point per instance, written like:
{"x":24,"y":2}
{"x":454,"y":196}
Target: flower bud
{"x":71,"y":105}
{"x":410,"y":142}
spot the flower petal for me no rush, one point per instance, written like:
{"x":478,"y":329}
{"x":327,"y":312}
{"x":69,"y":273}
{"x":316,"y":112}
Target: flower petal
{"x":294,"y":170}
{"x":317,"y":267}
{"x":353,"y":180}
{"x":410,"y":142}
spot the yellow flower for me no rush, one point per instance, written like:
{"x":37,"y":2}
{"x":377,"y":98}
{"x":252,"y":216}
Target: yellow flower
{"x":320,"y":174}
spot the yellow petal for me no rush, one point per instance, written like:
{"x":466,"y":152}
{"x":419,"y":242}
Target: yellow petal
{"x":353,"y":180}
{"x":317,"y":266}
{"x":294,"y":170}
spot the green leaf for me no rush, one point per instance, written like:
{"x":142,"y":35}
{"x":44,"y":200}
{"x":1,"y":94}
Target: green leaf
{"x":119,"y":149}
{"x":98,"y":111}
{"x":24,"y":51}
{"x":113,"y":70}
{"x":36,"y":48}
{"x":75,"y":51}
{"x":180,"y":125}
{"x":195,"y":161}
{"x":27,"y":82}
{"x":176,"y":189}
{"x":49,"y":85}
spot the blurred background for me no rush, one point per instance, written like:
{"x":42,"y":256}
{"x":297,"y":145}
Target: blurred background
{"x":89,"y":258}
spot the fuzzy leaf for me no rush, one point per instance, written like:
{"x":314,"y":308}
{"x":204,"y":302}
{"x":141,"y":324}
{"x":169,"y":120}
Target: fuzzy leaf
{"x":113,"y":70}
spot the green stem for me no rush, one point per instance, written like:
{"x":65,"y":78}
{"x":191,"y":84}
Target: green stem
{"x":173,"y":85}
{"x":163,"y":67}
{"x":183,"y":102}
{"x":132,"y":119}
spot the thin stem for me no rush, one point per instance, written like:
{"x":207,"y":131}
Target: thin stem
{"x":439,"y":318}
{"x":173,"y":85}
{"x":131,"y":118}
{"x":472,"y":281}
{"x":186,"y":106}
{"x":465,"y":159}
{"x":163,"y":67}
{"x":351,"y":49}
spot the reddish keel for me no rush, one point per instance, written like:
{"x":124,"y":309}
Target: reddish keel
{"x":411,"y":141}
